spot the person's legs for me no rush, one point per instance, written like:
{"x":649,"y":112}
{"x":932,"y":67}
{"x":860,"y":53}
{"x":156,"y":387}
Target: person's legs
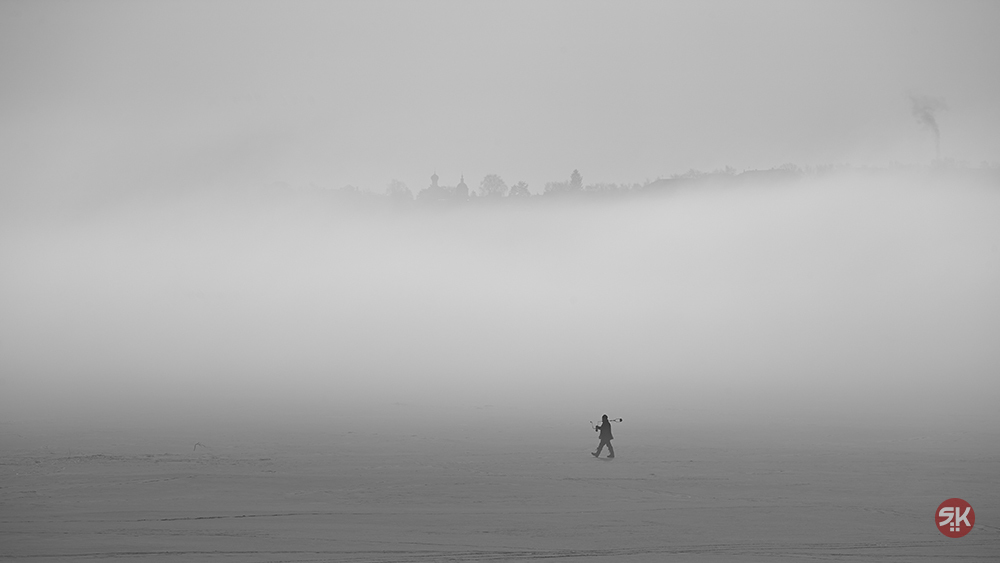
{"x":600,"y":447}
{"x":611,"y":450}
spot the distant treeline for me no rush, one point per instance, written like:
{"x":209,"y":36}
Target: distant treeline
{"x":493,"y":187}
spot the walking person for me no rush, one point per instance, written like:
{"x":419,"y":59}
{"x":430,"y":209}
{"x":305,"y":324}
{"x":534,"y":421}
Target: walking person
{"x":606,"y":437}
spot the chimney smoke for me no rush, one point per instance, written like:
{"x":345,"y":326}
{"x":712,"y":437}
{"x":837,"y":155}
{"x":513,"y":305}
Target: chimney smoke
{"x":924,"y":108}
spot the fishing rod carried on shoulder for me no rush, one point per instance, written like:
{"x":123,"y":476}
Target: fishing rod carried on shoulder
{"x":609,"y":420}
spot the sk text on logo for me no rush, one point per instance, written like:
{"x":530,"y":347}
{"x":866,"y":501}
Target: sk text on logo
{"x":955,"y":517}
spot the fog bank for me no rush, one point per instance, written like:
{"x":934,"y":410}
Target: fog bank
{"x":846,"y":300}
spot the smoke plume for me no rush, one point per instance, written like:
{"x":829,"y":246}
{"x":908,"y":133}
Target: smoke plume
{"x":924,"y":108}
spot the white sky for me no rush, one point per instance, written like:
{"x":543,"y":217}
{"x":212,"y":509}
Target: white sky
{"x":175,"y":95}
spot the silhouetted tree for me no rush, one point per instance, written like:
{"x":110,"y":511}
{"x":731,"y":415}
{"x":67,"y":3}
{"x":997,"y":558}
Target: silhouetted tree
{"x":519,"y":189}
{"x":397,"y":190}
{"x":575,"y":184}
{"x":691,"y":174}
{"x":556,"y":187}
{"x":354,"y":193}
{"x":493,"y":186}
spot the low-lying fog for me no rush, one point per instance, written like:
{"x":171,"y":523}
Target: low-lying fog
{"x":848,"y":300}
